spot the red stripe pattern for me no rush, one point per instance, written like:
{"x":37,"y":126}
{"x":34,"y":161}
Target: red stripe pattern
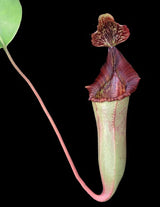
{"x":109,"y":33}
{"x":116,"y":80}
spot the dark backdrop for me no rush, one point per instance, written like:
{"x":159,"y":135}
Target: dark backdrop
{"x":53,"y":48}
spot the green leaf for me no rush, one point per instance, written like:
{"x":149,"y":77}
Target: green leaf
{"x":10,"y":19}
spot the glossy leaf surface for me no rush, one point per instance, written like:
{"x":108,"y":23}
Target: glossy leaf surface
{"x":10,"y":18}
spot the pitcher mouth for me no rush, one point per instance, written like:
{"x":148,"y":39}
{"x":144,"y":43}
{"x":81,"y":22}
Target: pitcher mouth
{"x":116,"y":80}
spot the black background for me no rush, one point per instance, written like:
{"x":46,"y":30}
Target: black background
{"x":53,"y":48}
